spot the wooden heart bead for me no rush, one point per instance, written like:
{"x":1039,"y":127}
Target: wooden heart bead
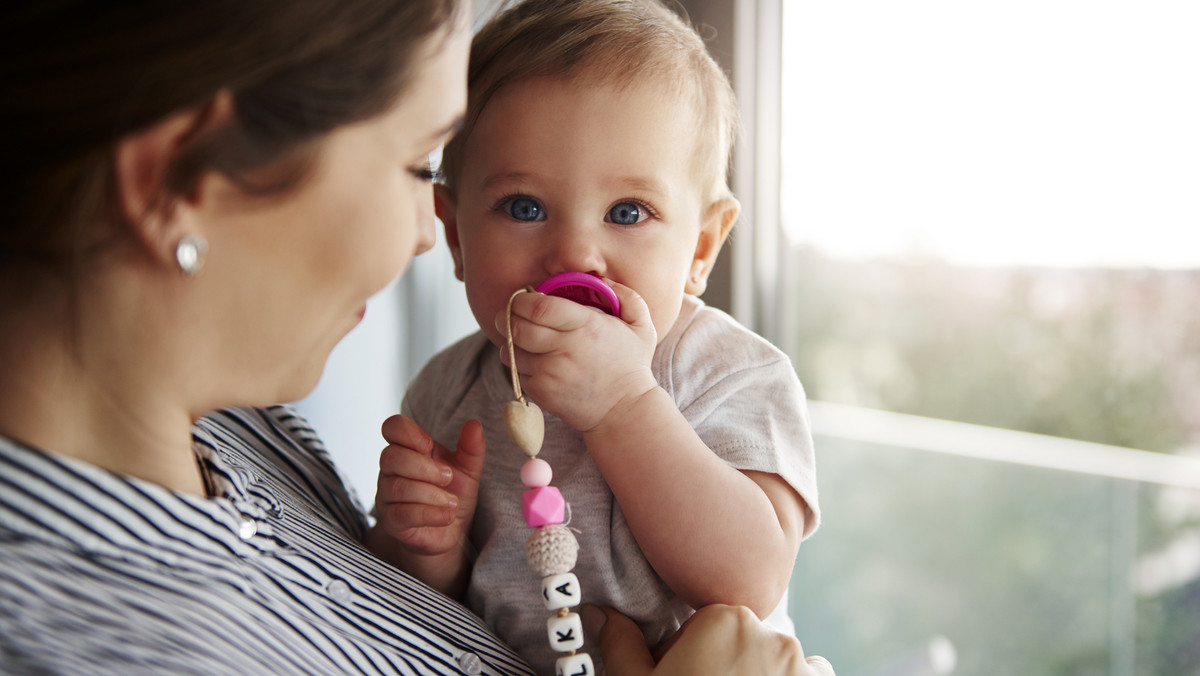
{"x":526,"y":426}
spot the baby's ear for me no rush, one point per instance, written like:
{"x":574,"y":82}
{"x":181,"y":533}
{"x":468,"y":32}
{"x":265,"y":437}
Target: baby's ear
{"x":447,"y":212}
{"x":717,"y":221}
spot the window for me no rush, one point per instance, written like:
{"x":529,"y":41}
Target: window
{"x":988,"y":215}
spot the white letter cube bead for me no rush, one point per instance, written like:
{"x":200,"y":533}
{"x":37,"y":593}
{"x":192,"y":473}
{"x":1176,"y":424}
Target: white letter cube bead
{"x":565,"y":633}
{"x":578,"y":664}
{"x":561,"y":591}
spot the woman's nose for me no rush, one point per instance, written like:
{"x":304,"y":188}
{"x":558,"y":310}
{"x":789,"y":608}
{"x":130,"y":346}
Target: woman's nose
{"x":426,"y":229}
{"x":427,"y":236}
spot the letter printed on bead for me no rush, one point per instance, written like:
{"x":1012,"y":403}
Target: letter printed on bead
{"x":579,"y":664}
{"x":566,"y":632}
{"x":561,"y":591}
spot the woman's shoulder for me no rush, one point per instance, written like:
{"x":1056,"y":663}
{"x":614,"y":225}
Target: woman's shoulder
{"x":279,"y":448}
{"x":265,"y":425}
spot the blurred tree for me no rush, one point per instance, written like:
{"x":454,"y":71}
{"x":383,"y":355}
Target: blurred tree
{"x":1064,"y":353}
{"x":1016,"y":566}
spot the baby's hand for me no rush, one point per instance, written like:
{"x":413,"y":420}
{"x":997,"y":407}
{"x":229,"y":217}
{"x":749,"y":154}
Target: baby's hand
{"x":426,"y":495}
{"x":577,"y":362}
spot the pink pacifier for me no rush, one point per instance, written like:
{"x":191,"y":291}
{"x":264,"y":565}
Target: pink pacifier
{"x":584,"y":289}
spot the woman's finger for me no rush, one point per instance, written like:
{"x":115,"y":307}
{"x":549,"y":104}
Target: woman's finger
{"x":623,"y":647}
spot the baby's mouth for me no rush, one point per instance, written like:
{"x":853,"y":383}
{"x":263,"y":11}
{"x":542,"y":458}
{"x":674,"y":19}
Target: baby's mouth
{"x":584,"y":289}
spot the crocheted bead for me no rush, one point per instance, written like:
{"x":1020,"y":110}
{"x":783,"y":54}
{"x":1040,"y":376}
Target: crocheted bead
{"x":543,"y":506}
{"x":551,"y":550}
{"x":536,"y":473}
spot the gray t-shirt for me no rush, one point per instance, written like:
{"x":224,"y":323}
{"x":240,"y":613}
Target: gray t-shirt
{"x":739,"y":393}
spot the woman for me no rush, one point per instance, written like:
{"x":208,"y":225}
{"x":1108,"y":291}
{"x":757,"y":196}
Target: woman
{"x":207,"y":195}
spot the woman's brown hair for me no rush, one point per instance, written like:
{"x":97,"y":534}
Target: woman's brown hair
{"x":81,"y":74}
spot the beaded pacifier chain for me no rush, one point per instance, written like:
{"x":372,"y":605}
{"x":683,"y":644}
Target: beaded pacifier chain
{"x":551,"y":549}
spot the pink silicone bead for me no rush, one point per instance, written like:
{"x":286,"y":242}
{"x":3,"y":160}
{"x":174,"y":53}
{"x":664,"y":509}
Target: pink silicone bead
{"x":543,"y":506}
{"x":536,"y":473}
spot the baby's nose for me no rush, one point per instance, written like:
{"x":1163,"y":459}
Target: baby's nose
{"x":574,"y":249}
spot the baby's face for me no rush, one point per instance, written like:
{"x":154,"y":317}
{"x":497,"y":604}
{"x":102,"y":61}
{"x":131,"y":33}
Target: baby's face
{"x":559,"y":177}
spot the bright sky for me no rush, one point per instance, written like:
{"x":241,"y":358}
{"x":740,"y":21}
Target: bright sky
{"x":1059,"y":132}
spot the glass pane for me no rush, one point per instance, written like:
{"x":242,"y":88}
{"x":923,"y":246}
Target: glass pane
{"x":989,"y":214}
{"x":934,"y":564}
{"x":1045,"y":132}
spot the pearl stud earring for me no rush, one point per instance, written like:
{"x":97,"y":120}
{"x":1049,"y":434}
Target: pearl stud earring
{"x":189,"y":253}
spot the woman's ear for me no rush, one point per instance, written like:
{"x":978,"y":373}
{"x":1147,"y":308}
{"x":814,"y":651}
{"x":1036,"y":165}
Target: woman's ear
{"x":142,"y":162}
{"x":715,"y":225}
{"x":447,"y":212}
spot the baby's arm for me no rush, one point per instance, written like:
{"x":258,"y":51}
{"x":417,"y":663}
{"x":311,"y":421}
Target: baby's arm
{"x":425,"y":502}
{"x":713,"y":533}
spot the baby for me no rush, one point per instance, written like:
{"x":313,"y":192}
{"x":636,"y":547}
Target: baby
{"x":597,"y":140}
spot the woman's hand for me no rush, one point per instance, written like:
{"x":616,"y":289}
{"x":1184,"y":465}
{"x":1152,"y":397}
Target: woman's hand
{"x":717,"y":641}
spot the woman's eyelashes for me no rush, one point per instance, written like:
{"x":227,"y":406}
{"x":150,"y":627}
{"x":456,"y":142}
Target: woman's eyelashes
{"x":527,"y":209}
{"x":424,"y":171}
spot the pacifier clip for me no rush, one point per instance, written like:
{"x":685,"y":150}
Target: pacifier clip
{"x":551,"y":550}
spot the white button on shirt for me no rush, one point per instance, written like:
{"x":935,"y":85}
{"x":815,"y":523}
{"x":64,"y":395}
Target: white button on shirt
{"x":247,"y":529}
{"x":339,"y":591}
{"x":470,"y":664}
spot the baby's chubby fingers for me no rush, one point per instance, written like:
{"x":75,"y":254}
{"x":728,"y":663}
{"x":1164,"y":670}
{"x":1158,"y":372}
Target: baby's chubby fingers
{"x":634,"y":311}
{"x":405,"y":521}
{"x":426,"y":494}
{"x":401,"y":430}
{"x":410,"y":497}
{"x":536,"y":317}
{"x":411,"y":453}
{"x":402,"y":462}
{"x":412,"y":477}
{"x":411,"y":489}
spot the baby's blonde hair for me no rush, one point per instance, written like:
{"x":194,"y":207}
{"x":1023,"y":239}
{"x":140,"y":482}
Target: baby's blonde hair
{"x":603,"y":42}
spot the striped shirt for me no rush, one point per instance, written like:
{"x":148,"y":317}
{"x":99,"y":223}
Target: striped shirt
{"x":107,"y":574}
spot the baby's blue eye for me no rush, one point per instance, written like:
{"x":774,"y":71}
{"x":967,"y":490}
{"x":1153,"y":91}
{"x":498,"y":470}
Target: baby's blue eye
{"x":625,"y":213}
{"x":525,"y":209}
